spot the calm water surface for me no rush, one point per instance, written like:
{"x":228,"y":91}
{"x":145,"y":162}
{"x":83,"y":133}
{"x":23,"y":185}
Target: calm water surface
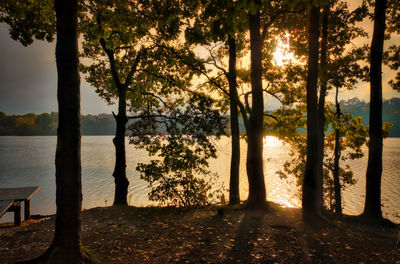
{"x":29,"y":161}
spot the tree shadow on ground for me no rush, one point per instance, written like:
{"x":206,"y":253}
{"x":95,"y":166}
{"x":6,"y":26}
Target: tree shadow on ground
{"x":248,"y":232}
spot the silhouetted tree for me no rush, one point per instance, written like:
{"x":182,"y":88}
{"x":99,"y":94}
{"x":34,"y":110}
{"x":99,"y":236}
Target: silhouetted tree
{"x":309,"y":196}
{"x":254,"y":163}
{"x":27,"y":21}
{"x":126,"y":44}
{"x":219,"y":22}
{"x":372,"y":207}
{"x":66,"y":244}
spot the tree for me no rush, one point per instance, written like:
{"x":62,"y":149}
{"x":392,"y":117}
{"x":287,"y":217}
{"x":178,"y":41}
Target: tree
{"x":66,"y":244}
{"x":127,"y":44}
{"x":309,"y":196}
{"x":372,"y":207}
{"x":254,"y":162}
{"x":339,"y":68}
{"x":102,"y":37}
{"x":392,"y":55}
{"x":219,"y":23}
{"x":345,"y":141}
{"x":323,"y":81}
{"x":180,"y":139}
{"x":337,"y":151}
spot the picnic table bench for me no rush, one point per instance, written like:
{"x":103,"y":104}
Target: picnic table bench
{"x":11,"y":199}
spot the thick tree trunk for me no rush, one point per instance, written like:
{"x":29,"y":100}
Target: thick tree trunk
{"x":321,"y":110}
{"x":255,"y":172}
{"x":121,"y":182}
{"x":372,"y":208}
{"x":66,"y":244}
{"x":336,"y":178}
{"x":234,"y":196}
{"x":309,"y":196}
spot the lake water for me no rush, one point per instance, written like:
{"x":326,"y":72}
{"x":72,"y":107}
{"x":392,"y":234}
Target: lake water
{"x":29,"y":161}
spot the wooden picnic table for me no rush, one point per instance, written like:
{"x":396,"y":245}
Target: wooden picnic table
{"x":11,"y":199}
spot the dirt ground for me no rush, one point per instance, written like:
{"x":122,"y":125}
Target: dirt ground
{"x":167,"y":235}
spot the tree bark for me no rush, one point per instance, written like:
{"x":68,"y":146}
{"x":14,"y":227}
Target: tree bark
{"x":372,"y":208}
{"x":234,"y":196}
{"x":66,"y":244}
{"x":321,"y":110}
{"x":337,"y":152}
{"x":121,"y":182}
{"x":255,"y":172}
{"x":309,"y":196}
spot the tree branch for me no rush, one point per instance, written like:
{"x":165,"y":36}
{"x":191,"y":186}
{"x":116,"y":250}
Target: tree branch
{"x":153,"y":116}
{"x":128,"y":79}
{"x":272,"y":116}
{"x":216,"y":64}
{"x":198,"y":70}
{"x":110,"y":55}
{"x":243,"y":112}
{"x":246,"y":101}
{"x":273,"y":18}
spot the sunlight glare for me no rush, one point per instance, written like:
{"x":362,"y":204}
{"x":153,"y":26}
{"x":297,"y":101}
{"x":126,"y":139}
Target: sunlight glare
{"x":282,"y":54}
{"x":271,"y":141}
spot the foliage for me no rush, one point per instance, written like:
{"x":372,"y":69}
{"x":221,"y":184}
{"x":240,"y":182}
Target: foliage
{"x":290,"y":126}
{"x":29,"y":19}
{"x":392,"y":54}
{"x":355,"y":134}
{"x":390,"y":112}
{"x":179,"y":175}
{"x":127,"y":47}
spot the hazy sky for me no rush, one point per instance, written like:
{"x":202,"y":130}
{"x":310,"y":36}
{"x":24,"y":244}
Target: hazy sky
{"x":28,"y":80}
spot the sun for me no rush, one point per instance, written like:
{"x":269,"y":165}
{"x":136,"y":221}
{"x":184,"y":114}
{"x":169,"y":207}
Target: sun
{"x":271,"y":141}
{"x":282,"y":54}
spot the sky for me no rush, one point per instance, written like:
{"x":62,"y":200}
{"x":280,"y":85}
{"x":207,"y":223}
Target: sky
{"x":28,"y":80}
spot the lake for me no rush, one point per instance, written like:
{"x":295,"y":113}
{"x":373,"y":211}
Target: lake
{"x":29,"y":161}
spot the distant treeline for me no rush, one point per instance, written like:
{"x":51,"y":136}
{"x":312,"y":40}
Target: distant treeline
{"x":390,"y":112}
{"x":46,"y":124}
{"x":103,"y":124}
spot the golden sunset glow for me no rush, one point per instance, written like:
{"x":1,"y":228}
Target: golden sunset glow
{"x":271,"y":141}
{"x":282,"y":54}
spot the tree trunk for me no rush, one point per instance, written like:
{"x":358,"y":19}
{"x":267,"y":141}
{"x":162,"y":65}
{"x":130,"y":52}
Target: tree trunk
{"x":234,"y":196}
{"x":121,"y":182}
{"x":321,"y":110}
{"x":255,"y":172}
{"x":66,"y":244}
{"x":309,"y":196}
{"x":336,"y":178}
{"x":372,"y":208}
